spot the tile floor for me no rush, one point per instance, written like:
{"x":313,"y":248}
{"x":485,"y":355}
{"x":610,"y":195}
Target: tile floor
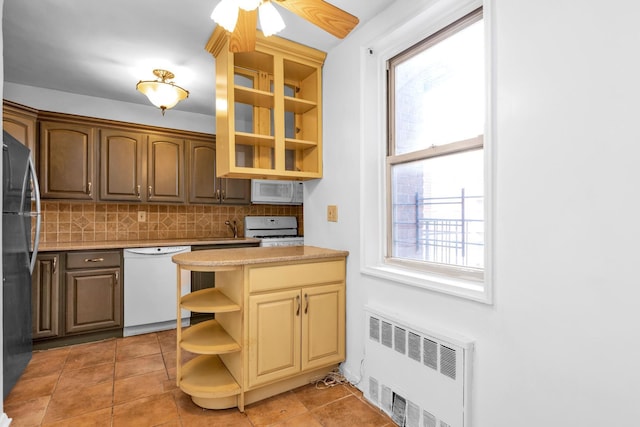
{"x":131,"y":382}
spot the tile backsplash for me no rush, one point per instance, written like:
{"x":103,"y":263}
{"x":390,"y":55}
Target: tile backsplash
{"x":93,"y":222}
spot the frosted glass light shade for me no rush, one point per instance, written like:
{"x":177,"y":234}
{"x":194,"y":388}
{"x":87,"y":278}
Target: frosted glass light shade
{"x":226,"y":14}
{"x":161,"y":93}
{"x":270,"y":20}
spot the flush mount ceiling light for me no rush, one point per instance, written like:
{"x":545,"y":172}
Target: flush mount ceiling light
{"x":162,"y":93}
{"x":239,"y":18}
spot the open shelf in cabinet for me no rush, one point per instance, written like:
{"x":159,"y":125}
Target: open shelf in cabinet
{"x":297,"y":105}
{"x":206,"y":376}
{"x":208,"y":338}
{"x":209,"y":300}
{"x":254,"y":139}
{"x":255,"y":97}
{"x":269,"y":123}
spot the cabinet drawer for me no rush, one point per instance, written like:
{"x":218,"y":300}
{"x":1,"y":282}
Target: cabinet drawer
{"x":286,"y":276}
{"x":94,"y":259}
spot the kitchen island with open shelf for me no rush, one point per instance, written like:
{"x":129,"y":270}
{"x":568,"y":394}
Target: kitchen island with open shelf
{"x":279,"y":322}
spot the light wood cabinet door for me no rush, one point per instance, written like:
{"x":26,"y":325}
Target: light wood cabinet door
{"x":274,"y":334}
{"x":165,"y":169}
{"x":67,"y":155}
{"x":45,"y":296}
{"x":323,"y":326}
{"x":121,"y":165}
{"x":93,"y":300}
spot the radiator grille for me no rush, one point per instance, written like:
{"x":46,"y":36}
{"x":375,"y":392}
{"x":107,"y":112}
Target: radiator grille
{"x":374,"y":329}
{"x":414,"y":346}
{"x":400,"y":339}
{"x":373,"y":390}
{"x":431,"y":353}
{"x":387,"y":334}
{"x":429,"y":420}
{"x":448,"y":362}
{"x":413,"y":415}
{"x":387,"y":399}
{"x":416,"y":377}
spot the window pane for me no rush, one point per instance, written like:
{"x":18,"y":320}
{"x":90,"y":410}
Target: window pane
{"x":439,"y":92}
{"x":438,"y":210}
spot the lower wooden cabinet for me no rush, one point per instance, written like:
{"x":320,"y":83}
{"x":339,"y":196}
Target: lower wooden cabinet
{"x":295,"y":330}
{"x":77,"y":296}
{"x":45,"y":296}
{"x":277,"y":326}
{"x":93,"y":300}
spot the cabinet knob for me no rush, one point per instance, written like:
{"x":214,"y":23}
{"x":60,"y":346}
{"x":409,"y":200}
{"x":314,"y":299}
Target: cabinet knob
{"x":306,"y":302}
{"x":218,"y":194}
{"x":138,"y":191}
{"x":298,"y":301}
{"x":55,"y":265}
{"x":149,"y":191}
{"x":93,"y":259}
{"x":89,"y":189}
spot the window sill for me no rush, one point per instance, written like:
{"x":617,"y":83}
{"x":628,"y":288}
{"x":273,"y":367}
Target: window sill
{"x":468,"y":289}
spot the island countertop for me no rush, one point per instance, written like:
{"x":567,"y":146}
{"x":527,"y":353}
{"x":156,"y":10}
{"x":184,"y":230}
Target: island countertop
{"x":256,"y":255}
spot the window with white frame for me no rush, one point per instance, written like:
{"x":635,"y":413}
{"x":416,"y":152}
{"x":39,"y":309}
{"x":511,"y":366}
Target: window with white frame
{"x":435,"y":158}
{"x":438,"y":166}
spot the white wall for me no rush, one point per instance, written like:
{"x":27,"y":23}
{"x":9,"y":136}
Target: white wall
{"x":70,"y":103}
{"x":559,"y":345}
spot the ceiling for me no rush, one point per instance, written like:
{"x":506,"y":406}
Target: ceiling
{"x":103,"y":48}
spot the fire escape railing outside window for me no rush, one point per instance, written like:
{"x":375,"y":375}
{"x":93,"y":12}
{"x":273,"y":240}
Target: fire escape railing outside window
{"x":447,"y":230}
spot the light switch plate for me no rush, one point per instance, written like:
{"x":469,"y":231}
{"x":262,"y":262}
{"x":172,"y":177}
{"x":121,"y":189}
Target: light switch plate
{"x":142,"y":216}
{"x":332,"y":213}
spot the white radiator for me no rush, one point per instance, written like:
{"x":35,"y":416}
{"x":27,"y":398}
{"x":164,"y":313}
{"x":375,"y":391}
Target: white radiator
{"x":420,"y":377}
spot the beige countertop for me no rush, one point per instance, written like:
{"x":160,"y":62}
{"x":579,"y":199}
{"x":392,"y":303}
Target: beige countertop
{"x":123,"y":244}
{"x":236,"y":257}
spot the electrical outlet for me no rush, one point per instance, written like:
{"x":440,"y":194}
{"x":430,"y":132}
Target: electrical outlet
{"x":142,"y":216}
{"x":332,"y":213}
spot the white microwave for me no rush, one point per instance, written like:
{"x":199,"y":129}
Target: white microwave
{"x":274,"y":192}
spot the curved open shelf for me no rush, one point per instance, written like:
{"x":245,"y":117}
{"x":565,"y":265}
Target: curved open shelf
{"x":207,"y":377}
{"x":209,"y":300}
{"x":208,"y":338}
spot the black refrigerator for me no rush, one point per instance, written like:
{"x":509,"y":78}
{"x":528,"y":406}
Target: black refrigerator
{"x":18,"y":256}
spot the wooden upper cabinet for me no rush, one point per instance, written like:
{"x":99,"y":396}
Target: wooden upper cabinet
{"x":20,"y":122}
{"x":271,"y":126}
{"x":205,"y":187}
{"x":165,"y":169}
{"x":235,"y":191}
{"x":121,"y":165}
{"x":67,"y":156}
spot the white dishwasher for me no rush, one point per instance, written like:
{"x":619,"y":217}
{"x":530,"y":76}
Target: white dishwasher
{"x":150,"y":289}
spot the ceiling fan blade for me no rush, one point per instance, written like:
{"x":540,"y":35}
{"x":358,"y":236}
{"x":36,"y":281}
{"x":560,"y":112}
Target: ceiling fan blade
{"x":325,"y":15}
{"x":243,"y":38}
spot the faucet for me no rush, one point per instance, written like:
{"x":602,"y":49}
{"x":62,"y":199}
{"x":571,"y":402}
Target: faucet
{"x":233,"y":226}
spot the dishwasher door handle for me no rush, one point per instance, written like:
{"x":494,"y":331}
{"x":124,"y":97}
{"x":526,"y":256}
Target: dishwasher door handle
{"x":155,"y":251}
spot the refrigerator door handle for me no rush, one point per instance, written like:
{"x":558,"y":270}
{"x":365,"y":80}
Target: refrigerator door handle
{"x":36,"y":193}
